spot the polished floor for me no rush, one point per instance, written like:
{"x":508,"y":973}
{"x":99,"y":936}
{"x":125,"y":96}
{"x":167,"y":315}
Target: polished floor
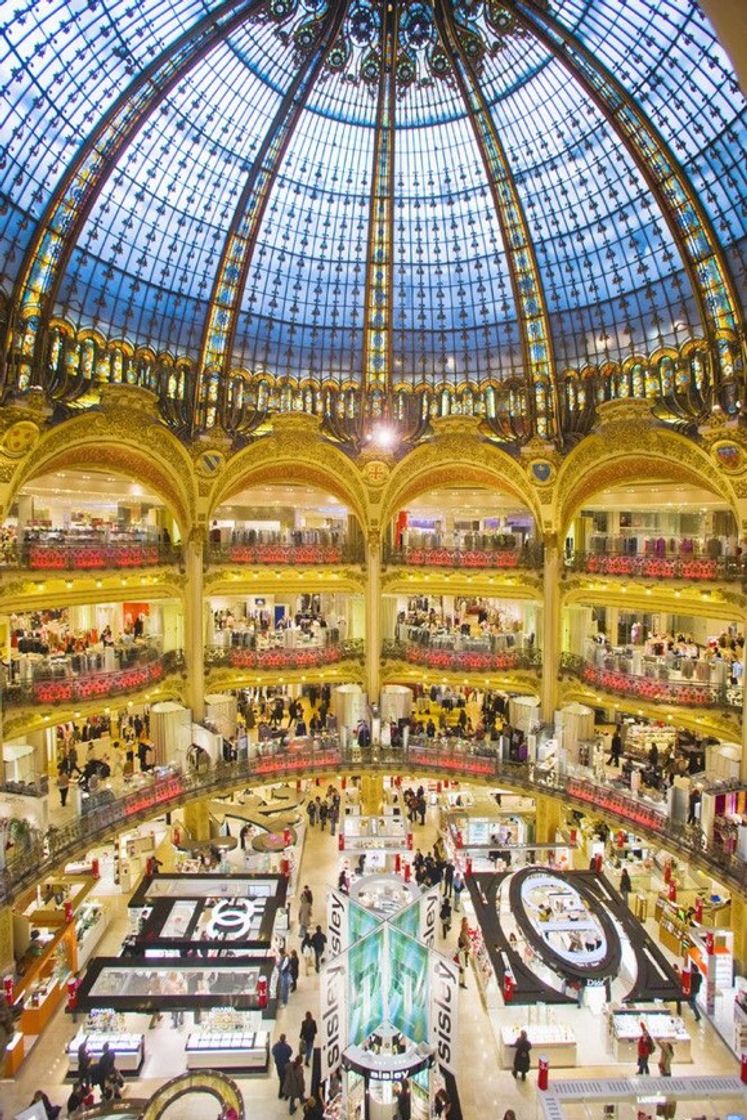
{"x":486,"y":1091}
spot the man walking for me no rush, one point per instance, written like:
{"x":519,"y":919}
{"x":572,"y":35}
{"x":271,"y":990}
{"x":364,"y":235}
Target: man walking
{"x":281,"y":1055}
{"x":319,"y":943}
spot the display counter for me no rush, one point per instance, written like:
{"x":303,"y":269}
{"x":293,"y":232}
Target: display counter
{"x":15,"y":1052}
{"x":128,"y":1048}
{"x":219,"y":1049}
{"x":626,"y":1030}
{"x":90,"y":925}
{"x":553,"y":1041}
{"x":40,"y":1005}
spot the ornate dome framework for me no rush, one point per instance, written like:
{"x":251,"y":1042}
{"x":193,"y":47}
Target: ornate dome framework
{"x":362,"y":209}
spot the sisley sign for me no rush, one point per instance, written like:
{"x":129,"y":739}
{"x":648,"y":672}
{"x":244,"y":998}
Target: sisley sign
{"x":338,"y":926}
{"x":429,"y":907}
{"x":443,"y":1009}
{"x":333,"y":981}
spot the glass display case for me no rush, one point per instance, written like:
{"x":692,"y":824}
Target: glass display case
{"x":90,"y":924}
{"x":626,"y":1029}
{"x":128,"y":1047}
{"x":552,"y":1040}
{"x":234,"y":1049}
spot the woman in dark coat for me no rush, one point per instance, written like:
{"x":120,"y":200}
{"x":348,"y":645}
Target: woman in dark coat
{"x":521,"y":1057}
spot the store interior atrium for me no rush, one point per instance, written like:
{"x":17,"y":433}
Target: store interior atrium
{"x":373,"y":559}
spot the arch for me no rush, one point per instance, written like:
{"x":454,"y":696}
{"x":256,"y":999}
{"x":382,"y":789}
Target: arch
{"x":295,"y":452}
{"x":126,"y":442}
{"x":631,"y":451}
{"x":457,"y":457}
{"x":217,"y":1085}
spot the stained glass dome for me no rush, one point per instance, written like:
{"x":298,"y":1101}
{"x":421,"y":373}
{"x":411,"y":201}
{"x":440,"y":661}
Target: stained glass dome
{"x":475,"y":205}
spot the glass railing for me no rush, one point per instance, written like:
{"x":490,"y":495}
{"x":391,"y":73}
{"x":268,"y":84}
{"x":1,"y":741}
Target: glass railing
{"x":481,"y":551}
{"x":458,"y":660}
{"x":61,"y":555}
{"x":692,"y":568}
{"x":264,"y":549}
{"x":45,"y":687}
{"x":302,"y":657}
{"x":689,"y":694}
{"x":39,"y":853}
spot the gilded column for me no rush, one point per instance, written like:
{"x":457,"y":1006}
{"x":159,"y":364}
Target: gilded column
{"x":550,"y":628}
{"x":548,"y":819}
{"x":194,"y":629}
{"x":197,"y":818}
{"x":373,"y":616}
{"x":743,"y":760}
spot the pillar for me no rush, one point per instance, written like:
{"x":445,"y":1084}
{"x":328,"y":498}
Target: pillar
{"x":743,"y":760}
{"x":372,"y":794}
{"x":6,"y":941}
{"x":373,"y":616}
{"x":194,"y":631}
{"x":550,"y":628}
{"x":550,"y":815}
{"x":738,"y":921}
{"x":197,"y":819}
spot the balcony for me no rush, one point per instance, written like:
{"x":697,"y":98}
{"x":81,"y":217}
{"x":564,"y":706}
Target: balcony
{"x":61,"y":555}
{"x":40,"y":854}
{"x":61,"y":684}
{"x":481,"y":551}
{"x":691,"y":568}
{"x":657,"y":690}
{"x":302,"y":657}
{"x":455,"y":659}
{"x":268,"y":548}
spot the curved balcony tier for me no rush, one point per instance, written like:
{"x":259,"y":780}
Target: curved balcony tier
{"x":290,"y":554}
{"x":693,"y":568}
{"x":40,"y":853}
{"x":310,"y":657}
{"x":462,"y":660}
{"x":67,"y":556}
{"x":471,"y":558}
{"x":47,"y":688}
{"x":687,"y":694}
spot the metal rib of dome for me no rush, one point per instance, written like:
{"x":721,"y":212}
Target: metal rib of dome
{"x":513,"y":208}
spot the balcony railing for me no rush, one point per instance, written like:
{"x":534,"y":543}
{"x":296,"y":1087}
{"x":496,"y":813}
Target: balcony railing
{"x":458,"y":660}
{"x":290,"y":553}
{"x":40,"y":854}
{"x":69,"y":556}
{"x":303,"y":657}
{"x":688,"y":694}
{"x":478,"y":556}
{"x":147,"y":669}
{"x":693,"y":568}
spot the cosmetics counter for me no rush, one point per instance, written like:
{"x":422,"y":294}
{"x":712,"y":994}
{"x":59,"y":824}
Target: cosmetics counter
{"x":553,"y":1041}
{"x":90,"y":925}
{"x":228,"y":1039}
{"x":107,"y":1027}
{"x":625,"y":1030}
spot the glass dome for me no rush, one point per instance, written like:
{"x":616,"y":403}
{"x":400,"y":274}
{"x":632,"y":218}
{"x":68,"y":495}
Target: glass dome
{"x":375,"y":196}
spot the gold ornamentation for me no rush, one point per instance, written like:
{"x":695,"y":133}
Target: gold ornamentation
{"x":376,"y":472}
{"x":20,"y":438}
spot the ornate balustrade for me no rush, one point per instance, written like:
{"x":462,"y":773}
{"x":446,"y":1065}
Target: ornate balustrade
{"x":689,"y":694}
{"x":278,"y":552}
{"x":451,"y":757}
{"x":475,"y":661}
{"x":484,"y":557}
{"x":691,"y":568}
{"x":303,"y":657}
{"x":69,"y":556}
{"x":147,"y":670}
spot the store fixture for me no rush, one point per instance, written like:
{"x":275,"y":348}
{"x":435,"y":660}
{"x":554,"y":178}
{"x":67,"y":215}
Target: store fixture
{"x":625,"y":1030}
{"x":227,"y":1039}
{"x":107,"y":1028}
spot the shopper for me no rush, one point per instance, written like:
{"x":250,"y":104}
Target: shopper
{"x":445,"y":916}
{"x":52,"y":1110}
{"x":104,"y":1068}
{"x":284,"y":978}
{"x":458,"y":887}
{"x":522,"y":1061}
{"x":318,"y":943}
{"x":666,"y":1053}
{"x":63,"y":783}
{"x":295,"y":965}
{"x":625,"y":885}
{"x":696,"y":982}
{"x":404,"y":1102}
{"x":304,"y":915}
{"x":307,"y":952}
{"x":313,"y":1109}
{"x":81,"y":1097}
{"x":646,"y":1048}
{"x":616,"y":747}
{"x":442,"y":1105}
{"x":281,"y":1056}
{"x":464,"y":944}
{"x":84,"y":1065}
{"x":308,"y":1034}
{"x":293,"y":1083}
